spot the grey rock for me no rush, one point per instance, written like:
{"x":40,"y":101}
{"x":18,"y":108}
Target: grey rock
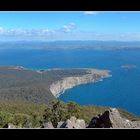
{"x":48,"y":125}
{"x":101,"y":121}
{"x":61,"y":125}
{"x":80,"y":124}
{"x":119,"y":122}
{"x":72,"y":123}
{"x":9,"y":125}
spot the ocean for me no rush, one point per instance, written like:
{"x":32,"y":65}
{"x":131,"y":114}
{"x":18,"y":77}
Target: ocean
{"x":122,"y":90}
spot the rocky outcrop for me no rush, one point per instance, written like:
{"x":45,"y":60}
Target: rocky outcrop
{"x":112,"y":119}
{"x":109,"y":119}
{"x":100,"y":121}
{"x":59,"y":87}
{"x":72,"y":123}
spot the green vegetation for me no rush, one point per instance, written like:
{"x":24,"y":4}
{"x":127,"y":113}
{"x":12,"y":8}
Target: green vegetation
{"x":21,"y":114}
{"x":58,"y":111}
{"x":30,"y":115}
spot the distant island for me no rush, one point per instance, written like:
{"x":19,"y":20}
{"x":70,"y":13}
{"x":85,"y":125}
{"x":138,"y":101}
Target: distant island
{"x":128,"y":66}
{"x":71,"y":44}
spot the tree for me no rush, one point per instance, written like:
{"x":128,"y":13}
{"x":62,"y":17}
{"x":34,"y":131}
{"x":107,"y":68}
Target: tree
{"x":21,"y":120}
{"x":59,"y":111}
{"x":73,"y":109}
{"x":47,"y":114}
{"x":56,"y":113}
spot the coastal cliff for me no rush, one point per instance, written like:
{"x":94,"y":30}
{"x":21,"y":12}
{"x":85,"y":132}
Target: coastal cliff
{"x":58,"y":87}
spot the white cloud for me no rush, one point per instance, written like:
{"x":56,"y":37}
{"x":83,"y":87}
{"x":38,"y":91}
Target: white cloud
{"x":45,"y":33}
{"x":37,"y":32}
{"x":1,"y":29}
{"x":90,"y":12}
{"x":69,"y":27}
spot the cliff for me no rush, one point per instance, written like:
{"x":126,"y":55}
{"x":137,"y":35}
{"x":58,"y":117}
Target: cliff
{"x":59,"y":87}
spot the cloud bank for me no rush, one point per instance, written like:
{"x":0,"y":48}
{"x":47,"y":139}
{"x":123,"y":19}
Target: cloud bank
{"x":66,"y":32}
{"x":37,"y":34}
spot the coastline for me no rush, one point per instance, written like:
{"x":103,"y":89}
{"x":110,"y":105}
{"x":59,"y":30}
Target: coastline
{"x":58,"y":88}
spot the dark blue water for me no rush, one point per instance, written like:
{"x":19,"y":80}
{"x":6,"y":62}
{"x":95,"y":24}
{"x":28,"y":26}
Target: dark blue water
{"x":121,"y":90}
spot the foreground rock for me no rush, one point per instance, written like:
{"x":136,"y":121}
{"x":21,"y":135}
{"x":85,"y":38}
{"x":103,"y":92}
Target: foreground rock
{"x":72,"y":123}
{"x":112,"y":119}
{"x":47,"y":125}
{"x":109,"y":119}
{"x":9,"y":125}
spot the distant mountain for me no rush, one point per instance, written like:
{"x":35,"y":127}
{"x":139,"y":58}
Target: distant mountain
{"x":97,"y":45}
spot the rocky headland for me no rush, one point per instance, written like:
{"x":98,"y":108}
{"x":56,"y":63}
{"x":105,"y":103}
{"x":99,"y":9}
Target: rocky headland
{"x":42,"y":86}
{"x":92,"y":76}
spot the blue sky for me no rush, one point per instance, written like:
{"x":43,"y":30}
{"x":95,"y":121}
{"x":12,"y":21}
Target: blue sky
{"x":84,"y":25}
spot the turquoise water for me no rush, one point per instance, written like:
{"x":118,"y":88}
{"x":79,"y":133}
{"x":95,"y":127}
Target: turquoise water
{"x":121,"y":90}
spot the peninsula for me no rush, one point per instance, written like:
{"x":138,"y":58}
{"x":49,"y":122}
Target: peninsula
{"x":42,"y":86}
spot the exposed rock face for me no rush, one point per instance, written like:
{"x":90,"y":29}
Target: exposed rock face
{"x":60,"y":86}
{"x":101,"y":121}
{"x":112,"y":119}
{"x":72,"y":123}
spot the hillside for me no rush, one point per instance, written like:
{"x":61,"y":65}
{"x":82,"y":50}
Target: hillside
{"x":31,"y":115}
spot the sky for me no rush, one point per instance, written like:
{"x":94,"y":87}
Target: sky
{"x":81,"y":25}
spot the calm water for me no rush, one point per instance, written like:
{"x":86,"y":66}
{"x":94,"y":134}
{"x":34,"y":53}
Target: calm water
{"x":121,"y":90}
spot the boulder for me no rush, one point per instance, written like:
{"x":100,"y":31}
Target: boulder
{"x":9,"y":125}
{"x":80,"y":124}
{"x":48,"y":125}
{"x":101,"y":121}
{"x":61,"y":125}
{"x":72,"y":123}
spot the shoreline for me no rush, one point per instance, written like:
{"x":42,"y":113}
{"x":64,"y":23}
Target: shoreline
{"x":59,"y":87}
{"x":93,"y":82}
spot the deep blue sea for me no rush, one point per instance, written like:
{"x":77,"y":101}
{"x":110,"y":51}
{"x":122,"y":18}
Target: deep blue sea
{"x":121,"y":90}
